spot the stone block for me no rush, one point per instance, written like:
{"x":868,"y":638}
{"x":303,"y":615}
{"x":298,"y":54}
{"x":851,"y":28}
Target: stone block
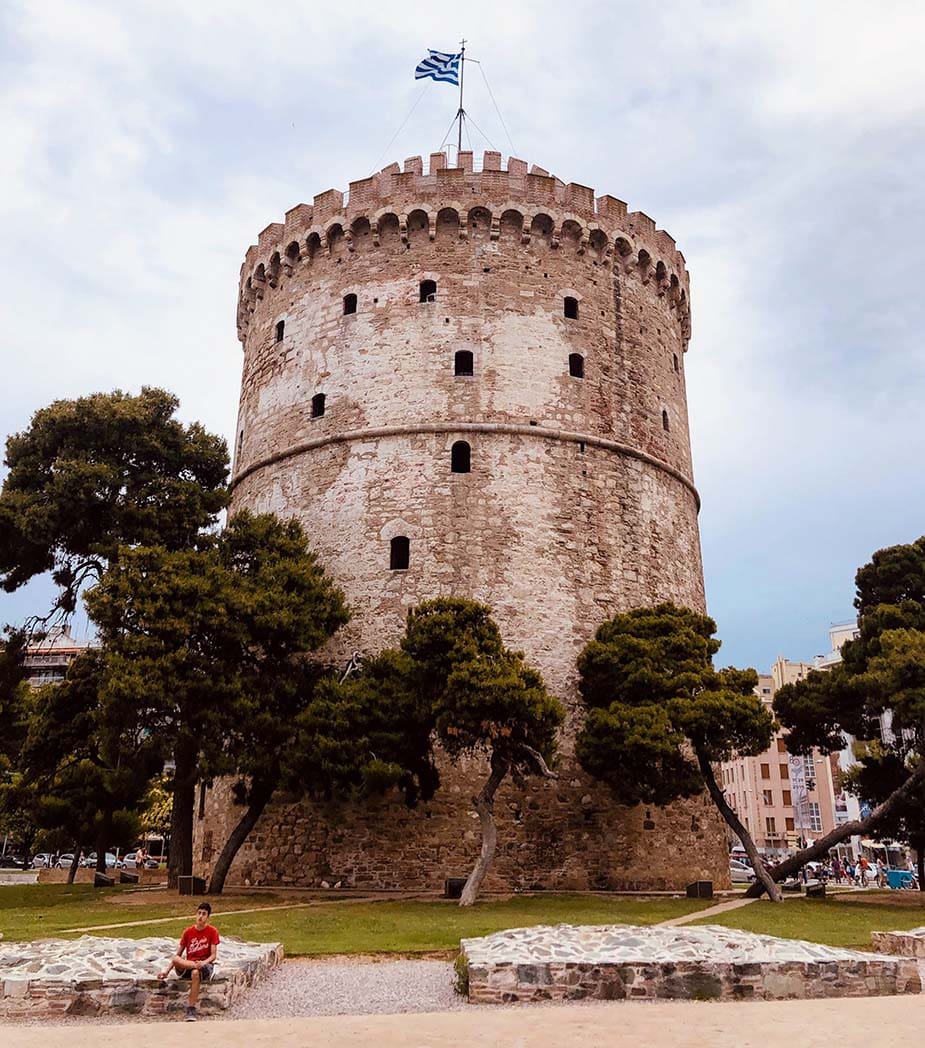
{"x":700,"y":890}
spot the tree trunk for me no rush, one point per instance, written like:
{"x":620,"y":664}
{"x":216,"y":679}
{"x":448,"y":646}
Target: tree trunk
{"x":735,"y":824}
{"x":75,"y":862}
{"x":181,"y":816}
{"x":103,"y":842}
{"x":843,"y":832}
{"x":260,"y":794}
{"x":484,"y":805}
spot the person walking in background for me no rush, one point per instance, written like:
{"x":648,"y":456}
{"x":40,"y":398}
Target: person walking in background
{"x":836,"y":869}
{"x":863,"y":868}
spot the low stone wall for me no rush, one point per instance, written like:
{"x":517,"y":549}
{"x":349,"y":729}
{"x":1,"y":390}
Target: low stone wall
{"x":909,"y":943}
{"x":620,"y":962}
{"x":96,"y":976}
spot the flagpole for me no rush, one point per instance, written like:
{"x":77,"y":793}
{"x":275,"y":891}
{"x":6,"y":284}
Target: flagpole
{"x":462,"y":112}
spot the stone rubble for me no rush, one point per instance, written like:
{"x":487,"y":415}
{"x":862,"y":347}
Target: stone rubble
{"x":93,"y":976}
{"x":615,"y":962}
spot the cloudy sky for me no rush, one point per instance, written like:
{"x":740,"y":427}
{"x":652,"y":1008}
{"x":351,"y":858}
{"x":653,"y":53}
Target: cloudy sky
{"x":144,"y":146}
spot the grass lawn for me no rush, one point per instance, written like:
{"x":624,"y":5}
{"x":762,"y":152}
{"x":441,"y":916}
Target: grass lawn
{"x":843,"y":920}
{"x":42,"y":911}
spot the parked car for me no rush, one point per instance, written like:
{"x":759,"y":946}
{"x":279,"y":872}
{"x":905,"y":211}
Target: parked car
{"x":44,"y":860}
{"x":739,"y":873}
{"x":112,"y":863}
{"x":63,"y":862}
{"x":130,"y":864}
{"x":12,"y":862}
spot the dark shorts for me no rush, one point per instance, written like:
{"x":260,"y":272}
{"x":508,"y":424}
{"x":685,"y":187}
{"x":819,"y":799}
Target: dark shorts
{"x":205,"y":972}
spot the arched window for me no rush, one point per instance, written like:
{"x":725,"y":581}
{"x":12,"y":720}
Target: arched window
{"x":280,"y":328}
{"x":677,"y":365}
{"x":428,"y":291}
{"x":461,"y":457}
{"x":350,"y":304}
{"x":463,"y":363}
{"x":399,"y":553}
{"x":317,"y":405}
{"x":576,"y":365}
{"x":571,"y":308}
{"x":665,"y":421}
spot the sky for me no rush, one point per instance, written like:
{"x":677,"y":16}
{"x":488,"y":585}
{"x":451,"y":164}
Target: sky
{"x":143,"y":146}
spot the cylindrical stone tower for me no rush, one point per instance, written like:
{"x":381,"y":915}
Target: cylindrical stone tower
{"x":471,"y":383}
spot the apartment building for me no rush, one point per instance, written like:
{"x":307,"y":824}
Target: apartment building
{"x":46,"y":661}
{"x":785,"y":799}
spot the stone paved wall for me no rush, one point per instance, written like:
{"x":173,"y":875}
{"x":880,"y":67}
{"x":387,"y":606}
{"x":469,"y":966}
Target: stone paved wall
{"x":909,"y":943}
{"x":579,"y":502}
{"x":98,"y":976}
{"x":705,"y":963}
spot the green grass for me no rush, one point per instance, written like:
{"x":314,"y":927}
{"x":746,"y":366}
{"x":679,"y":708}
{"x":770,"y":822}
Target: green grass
{"x":40,"y":911}
{"x":840,"y":921}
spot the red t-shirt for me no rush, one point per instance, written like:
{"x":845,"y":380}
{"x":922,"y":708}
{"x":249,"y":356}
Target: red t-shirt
{"x":198,"y":944}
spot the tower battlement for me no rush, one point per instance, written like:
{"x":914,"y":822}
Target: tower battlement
{"x":530,"y":203}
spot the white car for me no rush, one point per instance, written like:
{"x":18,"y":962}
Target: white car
{"x":740,"y":873}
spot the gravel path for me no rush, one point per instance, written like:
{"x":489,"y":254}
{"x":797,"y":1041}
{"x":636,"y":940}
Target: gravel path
{"x":350,"y":987}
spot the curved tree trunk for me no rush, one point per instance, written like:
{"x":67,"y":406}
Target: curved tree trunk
{"x":259,"y":796}
{"x":75,"y":862}
{"x":843,"y":832}
{"x":484,"y":805}
{"x":735,"y":824}
{"x":181,"y":815}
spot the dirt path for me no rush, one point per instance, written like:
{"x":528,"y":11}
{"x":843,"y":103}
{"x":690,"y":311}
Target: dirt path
{"x":859,"y":1022}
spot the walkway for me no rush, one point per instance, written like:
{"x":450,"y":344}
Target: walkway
{"x":854,"y":1023}
{"x":710,"y":911}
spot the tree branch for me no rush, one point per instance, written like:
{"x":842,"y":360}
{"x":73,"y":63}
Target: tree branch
{"x":537,"y":758}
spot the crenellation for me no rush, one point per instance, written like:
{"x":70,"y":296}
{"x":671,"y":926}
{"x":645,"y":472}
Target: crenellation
{"x":415,"y":164}
{"x":464,"y":160}
{"x":491,"y":161}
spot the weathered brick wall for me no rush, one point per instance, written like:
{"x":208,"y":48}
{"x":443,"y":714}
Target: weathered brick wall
{"x":579,"y":503}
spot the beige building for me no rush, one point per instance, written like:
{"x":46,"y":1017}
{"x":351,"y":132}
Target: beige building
{"x":782,"y":798}
{"x":46,"y":661}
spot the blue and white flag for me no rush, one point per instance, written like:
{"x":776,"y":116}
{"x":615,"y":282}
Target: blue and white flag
{"x":439,"y":66}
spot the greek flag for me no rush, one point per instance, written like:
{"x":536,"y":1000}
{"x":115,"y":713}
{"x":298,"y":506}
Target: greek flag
{"x":439,"y":66}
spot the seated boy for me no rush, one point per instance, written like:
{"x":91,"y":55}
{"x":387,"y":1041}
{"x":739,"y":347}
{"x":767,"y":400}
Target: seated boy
{"x":200,"y":941}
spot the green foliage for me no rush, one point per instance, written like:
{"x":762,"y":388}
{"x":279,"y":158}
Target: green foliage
{"x":461,"y":972}
{"x":883,"y":669}
{"x":656,"y":703}
{"x":484,"y":697}
{"x":102,"y":472}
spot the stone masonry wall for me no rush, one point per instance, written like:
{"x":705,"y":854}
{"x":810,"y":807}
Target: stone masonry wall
{"x":579,"y":502}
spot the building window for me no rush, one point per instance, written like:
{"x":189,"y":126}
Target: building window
{"x":461,"y":457}
{"x":237,"y":453}
{"x":428,"y":291}
{"x":770,"y":826}
{"x":570,"y":308}
{"x":665,"y":421}
{"x":768,"y":797}
{"x":815,"y":817}
{"x":785,"y":771}
{"x":576,"y":365}
{"x":350,"y":304}
{"x":788,"y":799}
{"x":766,"y":771}
{"x":790,"y":825}
{"x":463,"y":362}
{"x":280,"y":328}
{"x":399,"y":553}
{"x":781,"y":746}
{"x":318,"y":405}
{"x":677,"y":364}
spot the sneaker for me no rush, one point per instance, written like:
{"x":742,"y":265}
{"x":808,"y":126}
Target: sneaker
{"x":191,"y":1013}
